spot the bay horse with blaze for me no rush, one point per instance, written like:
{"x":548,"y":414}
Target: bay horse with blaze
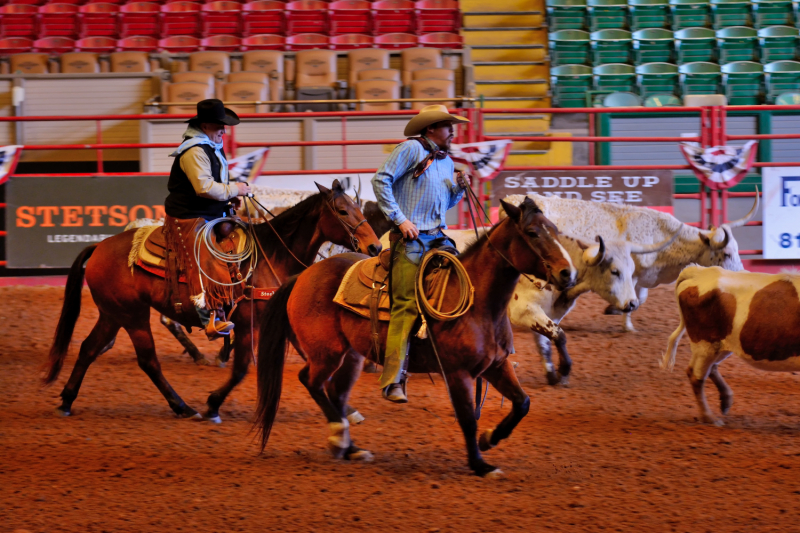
{"x":124,"y":296}
{"x":334,"y":340}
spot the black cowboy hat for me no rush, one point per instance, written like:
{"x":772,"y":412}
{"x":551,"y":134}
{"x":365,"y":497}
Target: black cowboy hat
{"x":213,"y":111}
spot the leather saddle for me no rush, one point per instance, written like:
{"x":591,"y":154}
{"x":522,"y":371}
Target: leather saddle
{"x":153,"y":251}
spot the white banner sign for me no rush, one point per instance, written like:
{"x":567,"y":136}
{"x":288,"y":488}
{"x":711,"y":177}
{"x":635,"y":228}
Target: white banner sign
{"x":781,"y":206}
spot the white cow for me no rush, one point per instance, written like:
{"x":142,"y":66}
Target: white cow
{"x":606,"y":268}
{"x":714,"y":247}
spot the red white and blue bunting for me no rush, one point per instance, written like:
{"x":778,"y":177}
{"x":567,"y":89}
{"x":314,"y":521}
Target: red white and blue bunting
{"x":720,"y":167}
{"x":483,"y":160}
{"x":9,"y":157}
{"x":247,"y":167}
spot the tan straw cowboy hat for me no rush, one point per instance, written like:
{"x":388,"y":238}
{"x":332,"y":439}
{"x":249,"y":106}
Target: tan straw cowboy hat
{"x":429,"y":115}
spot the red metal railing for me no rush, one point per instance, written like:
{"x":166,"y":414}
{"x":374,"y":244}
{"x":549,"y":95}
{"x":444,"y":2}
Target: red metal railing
{"x":712,"y":132}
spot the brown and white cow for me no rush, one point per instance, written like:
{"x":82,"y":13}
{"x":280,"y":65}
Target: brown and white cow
{"x":756,"y":316}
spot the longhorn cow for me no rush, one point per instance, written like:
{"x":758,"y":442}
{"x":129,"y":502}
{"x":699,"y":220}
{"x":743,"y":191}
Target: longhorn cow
{"x":713,"y":247}
{"x":756,"y":316}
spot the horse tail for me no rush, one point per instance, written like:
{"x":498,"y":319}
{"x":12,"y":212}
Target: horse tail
{"x":70,"y":311}
{"x":272,"y":347}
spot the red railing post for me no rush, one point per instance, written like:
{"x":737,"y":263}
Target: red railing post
{"x":99,"y":139}
{"x":344,"y":138}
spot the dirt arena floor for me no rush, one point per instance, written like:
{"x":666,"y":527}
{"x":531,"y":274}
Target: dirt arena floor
{"x":619,"y":450}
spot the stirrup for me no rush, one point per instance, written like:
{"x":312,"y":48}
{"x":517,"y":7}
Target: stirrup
{"x":398,"y":393}
{"x":217,"y":328}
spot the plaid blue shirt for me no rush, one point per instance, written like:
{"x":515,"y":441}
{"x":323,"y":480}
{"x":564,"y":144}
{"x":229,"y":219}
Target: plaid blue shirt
{"x":425,"y":200}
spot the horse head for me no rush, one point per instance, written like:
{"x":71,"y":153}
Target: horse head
{"x":536,"y":249}
{"x":343,"y":222}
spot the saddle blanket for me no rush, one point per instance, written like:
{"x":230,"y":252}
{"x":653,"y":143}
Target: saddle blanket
{"x":148,"y":249}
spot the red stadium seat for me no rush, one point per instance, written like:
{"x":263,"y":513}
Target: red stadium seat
{"x":54,"y":45}
{"x":18,"y":20}
{"x":221,"y":43}
{"x":441,"y":40}
{"x":58,"y":20}
{"x":263,"y":17}
{"x":349,"y":16}
{"x":263,"y":42}
{"x":139,"y":18}
{"x":98,"y":20}
{"x":306,"y":41}
{"x":396,"y":40}
{"x":138,"y":43}
{"x":306,"y":16}
{"x":115,"y":2}
{"x":221,"y":18}
{"x":179,"y":43}
{"x":35,"y":3}
{"x":392,"y":16}
{"x":76,"y":3}
{"x":180,"y":18}
{"x":100,"y":45}
{"x":437,"y":16}
{"x":352,"y":41}
{"x":15,"y":45}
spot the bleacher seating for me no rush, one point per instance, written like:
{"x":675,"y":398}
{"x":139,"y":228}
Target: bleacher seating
{"x":139,"y":19}
{"x":306,"y":16}
{"x":80,"y":63}
{"x":349,"y":16}
{"x":222,"y":17}
{"x":57,"y":20}
{"x":377,"y":89}
{"x":263,"y":17}
{"x":418,"y":59}
{"x":180,"y":19}
{"x":366,"y":59}
{"x":677,"y":48}
{"x":211,"y":62}
{"x":352,"y":41}
{"x":98,"y":20}
{"x":30,"y":63}
{"x":17,"y":20}
{"x":100,"y":45}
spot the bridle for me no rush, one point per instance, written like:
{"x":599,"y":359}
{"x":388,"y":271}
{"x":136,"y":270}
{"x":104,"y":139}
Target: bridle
{"x":351,"y":230}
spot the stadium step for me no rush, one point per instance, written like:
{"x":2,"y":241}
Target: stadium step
{"x":512,"y":71}
{"x":503,"y":19}
{"x":504,"y":5}
{"x":488,"y":36}
{"x":499,"y":53}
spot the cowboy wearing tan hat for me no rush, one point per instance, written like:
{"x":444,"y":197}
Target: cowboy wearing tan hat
{"x":414,"y":188}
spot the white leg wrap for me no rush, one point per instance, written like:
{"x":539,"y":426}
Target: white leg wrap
{"x":340,"y":434}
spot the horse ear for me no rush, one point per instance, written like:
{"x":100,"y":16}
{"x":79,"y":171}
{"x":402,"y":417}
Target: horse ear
{"x":322,"y":188}
{"x":513,"y":211}
{"x":528,"y":202}
{"x":337,"y":186}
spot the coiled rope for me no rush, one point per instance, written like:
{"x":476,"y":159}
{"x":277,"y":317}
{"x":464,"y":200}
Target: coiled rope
{"x":466,"y":292}
{"x":205,"y":237}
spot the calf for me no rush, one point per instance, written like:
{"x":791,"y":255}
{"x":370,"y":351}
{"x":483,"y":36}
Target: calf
{"x":756,"y":316}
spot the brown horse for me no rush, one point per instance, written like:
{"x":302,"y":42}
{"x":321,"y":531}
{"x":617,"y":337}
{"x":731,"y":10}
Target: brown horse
{"x":333,"y":340}
{"x":124,"y":296}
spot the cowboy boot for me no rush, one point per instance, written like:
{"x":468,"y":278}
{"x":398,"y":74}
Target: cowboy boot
{"x":396,"y":392}
{"x":216,"y":327}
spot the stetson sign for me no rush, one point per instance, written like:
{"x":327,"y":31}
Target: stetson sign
{"x":50,"y":220}
{"x":640,"y":188}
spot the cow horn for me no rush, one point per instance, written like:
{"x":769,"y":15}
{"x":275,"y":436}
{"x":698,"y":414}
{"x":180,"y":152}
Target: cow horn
{"x":358,"y":192}
{"x":714,"y":245}
{"x":657,"y":247}
{"x":594,"y":259}
{"x":748,"y":216}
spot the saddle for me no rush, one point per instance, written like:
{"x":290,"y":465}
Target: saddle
{"x":168,"y":251}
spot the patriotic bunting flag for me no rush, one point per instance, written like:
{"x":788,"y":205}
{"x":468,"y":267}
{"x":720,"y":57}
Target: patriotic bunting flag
{"x":484,"y":160}
{"x":246,"y":167}
{"x":9,"y":157}
{"x":720,"y":167}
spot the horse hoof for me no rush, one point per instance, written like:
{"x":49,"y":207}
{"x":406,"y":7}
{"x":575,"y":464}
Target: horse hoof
{"x":213,"y":419}
{"x":61,"y":413}
{"x":220,"y":363}
{"x":552,"y":379}
{"x":370,"y":368}
{"x":725,"y":405}
{"x":338,"y":453}
{"x":485,"y":442}
{"x":564,"y":381}
{"x":202,"y":361}
{"x":495,"y":474}
{"x":356,"y":454}
{"x":355,"y":417}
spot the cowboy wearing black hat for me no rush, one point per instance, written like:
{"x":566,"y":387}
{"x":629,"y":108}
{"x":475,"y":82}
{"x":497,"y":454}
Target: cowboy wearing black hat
{"x":199,"y":191}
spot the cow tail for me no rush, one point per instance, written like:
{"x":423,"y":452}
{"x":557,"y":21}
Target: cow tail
{"x":668,"y":359}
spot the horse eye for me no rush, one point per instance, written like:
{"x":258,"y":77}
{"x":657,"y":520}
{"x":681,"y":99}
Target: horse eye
{"x":615,"y":272}
{"x":342,"y":212}
{"x":533,"y":235}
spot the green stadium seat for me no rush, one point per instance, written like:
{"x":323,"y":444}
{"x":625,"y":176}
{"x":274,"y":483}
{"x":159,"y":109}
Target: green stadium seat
{"x":607,"y":14}
{"x":611,"y":46}
{"x":569,"y":47}
{"x":778,"y":43}
{"x":689,"y":14}
{"x":727,"y":13}
{"x":622,"y":99}
{"x":614,"y":77}
{"x":788,"y":99}
{"x":653,"y":46}
{"x":743,"y":82}
{"x":648,"y":14}
{"x":737,"y":44}
{"x":695,"y":44}
{"x":662,"y":100}
{"x":781,"y":77}
{"x":773,"y":13}
{"x":657,"y":78}
{"x":566,"y":15}
{"x":699,"y":78}
{"x":569,"y":84}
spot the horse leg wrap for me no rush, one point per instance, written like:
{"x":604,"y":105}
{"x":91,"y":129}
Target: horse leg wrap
{"x":340,"y":434}
{"x":485,"y":442}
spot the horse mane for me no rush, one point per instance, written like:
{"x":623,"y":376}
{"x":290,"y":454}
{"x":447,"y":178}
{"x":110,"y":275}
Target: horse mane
{"x":288,"y":222}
